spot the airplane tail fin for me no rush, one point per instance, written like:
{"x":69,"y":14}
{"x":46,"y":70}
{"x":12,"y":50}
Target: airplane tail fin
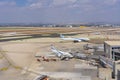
{"x":61,"y":36}
{"x":52,"y":47}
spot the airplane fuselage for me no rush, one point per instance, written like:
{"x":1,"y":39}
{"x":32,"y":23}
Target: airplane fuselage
{"x":74,"y":39}
{"x":61,"y":54}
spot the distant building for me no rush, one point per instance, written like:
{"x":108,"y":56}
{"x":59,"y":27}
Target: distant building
{"x":82,"y":26}
{"x":69,"y":26}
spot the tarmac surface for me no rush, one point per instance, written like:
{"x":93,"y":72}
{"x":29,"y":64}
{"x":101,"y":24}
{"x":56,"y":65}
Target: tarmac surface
{"x":21,"y":54}
{"x":18,"y":60}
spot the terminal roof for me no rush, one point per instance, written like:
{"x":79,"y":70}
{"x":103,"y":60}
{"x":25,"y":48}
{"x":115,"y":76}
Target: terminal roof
{"x":113,"y":43}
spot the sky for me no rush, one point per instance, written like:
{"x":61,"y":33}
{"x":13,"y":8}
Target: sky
{"x":59,"y":11}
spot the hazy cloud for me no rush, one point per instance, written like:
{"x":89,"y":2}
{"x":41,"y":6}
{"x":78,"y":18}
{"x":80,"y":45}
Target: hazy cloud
{"x":71,"y":3}
{"x":6,"y":3}
{"x":110,"y":2}
{"x":56,"y":11}
{"x":36,"y":5}
{"x":63,"y":2}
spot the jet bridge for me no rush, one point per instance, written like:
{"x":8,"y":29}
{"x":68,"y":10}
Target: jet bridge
{"x":106,"y":61}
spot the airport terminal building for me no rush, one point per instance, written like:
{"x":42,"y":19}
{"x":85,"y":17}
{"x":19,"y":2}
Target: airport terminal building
{"x":112,"y":52}
{"x":112,"y":49}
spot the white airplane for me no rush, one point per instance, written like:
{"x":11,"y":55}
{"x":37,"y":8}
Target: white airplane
{"x":74,"y":39}
{"x":62,"y":55}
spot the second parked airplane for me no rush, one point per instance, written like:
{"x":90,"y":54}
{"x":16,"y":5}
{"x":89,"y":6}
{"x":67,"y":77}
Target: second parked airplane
{"x":74,"y":39}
